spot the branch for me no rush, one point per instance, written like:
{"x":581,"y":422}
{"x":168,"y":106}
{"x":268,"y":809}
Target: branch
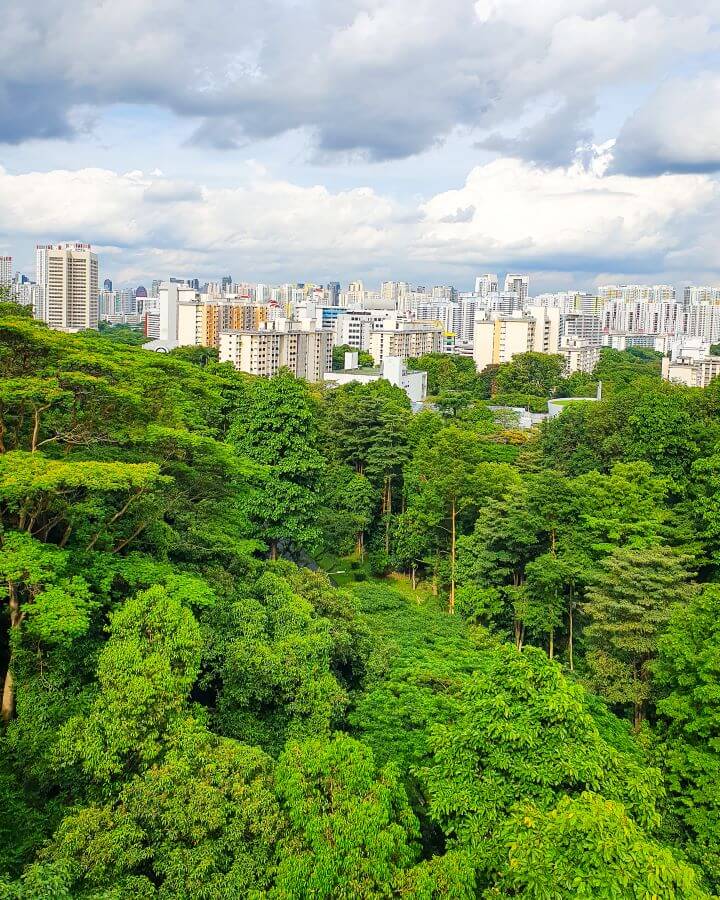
{"x":119,"y":514}
{"x":129,"y":540}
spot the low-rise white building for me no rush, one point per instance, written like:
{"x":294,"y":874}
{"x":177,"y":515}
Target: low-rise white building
{"x":392,"y":369}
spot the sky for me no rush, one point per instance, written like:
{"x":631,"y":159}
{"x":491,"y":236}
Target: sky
{"x":316,"y":140}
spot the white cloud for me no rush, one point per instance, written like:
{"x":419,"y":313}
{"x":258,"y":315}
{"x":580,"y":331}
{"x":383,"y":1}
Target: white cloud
{"x":571,"y":218}
{"x":676,"y":130}
{"x":508,"y":213}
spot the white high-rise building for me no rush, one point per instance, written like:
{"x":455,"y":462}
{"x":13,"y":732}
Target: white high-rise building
{"x":486,"y":284}
{"x":660,"y":293}
{"x":704,"y":294}
{"x":68,"y":275}
{"x":6,"y":275}
{"x":518,"y":284}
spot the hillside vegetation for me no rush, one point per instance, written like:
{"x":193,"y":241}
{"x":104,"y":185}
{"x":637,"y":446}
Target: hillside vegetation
{"x":262,"y":639}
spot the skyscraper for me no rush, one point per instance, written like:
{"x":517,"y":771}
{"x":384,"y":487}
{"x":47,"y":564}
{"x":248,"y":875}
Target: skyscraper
{"x":69,"y":274}
{"x":107,"y":284}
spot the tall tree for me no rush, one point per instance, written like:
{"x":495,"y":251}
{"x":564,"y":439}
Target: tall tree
{"x":278,"y":429}
{"x":629,"y":603}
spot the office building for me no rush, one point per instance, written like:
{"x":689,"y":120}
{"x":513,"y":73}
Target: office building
{"x":486,"y":284}
{"x":585,"y":326}
{"x":332,"y":293}
{"x":200,"y":323}
{"x":691,"y":370}
{"x":499,"y":338}
{"x":580,"y":355}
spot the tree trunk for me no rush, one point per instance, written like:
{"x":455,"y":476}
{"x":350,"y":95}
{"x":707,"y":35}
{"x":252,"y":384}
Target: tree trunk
{"x":8,"y":696}
{"x":453,"y":517}
{"x":413,"y":575}
{"x":7,"y":711}
{"x":519,"y":634}
{"x":570,"y":631}
{"x":273,"y":550}
{"x":551,"y":644}
{"x":388,"y":512}
{"x":639,"y":714}
{"x":360,"y":545}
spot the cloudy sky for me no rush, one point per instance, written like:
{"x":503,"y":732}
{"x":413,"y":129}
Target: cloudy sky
{"x":420,"y":140}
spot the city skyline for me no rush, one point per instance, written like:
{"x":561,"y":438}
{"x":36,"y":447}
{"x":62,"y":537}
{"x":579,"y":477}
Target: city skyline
{"x":579,"y":141}
{"x":470,"y":282}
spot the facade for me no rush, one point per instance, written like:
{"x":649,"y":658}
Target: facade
{"x":486,"y":284}
{"x":585,"y":326}
{"x":579,"y":355}
{"x":200,"y":324}
{"x":300,"y":347}
{"x":632,"y":293}
{"x":70,"y":286}
{"x":353,"y":328}
{"x":704,"y":294}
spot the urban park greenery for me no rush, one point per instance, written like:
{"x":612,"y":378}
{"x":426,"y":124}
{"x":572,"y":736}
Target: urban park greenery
{"x":266,"y":639}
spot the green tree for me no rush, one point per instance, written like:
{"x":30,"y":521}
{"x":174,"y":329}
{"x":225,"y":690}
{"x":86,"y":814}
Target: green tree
{"x":447,"y":481}
{"x":506,"y":537}
{"x":278,"y":429}
{"x":588,"y":847}
{"x":365,"y":360}
{"x":145,"y":672}
{"x":201,"y":823}
{"x":687,"y":684}
{"x":352,"y":831}
{"x":629,"y":604}
{"x":449,"y":373}
{"x":534,"y":374}
{"x":523,"y":733}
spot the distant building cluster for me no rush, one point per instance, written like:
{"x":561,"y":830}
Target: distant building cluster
{"x":260,"y":328}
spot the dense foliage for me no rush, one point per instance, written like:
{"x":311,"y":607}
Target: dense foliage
{"x":266,"y":639}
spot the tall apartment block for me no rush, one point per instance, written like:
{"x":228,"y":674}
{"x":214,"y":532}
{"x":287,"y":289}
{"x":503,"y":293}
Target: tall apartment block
{"x":5,"y":271}
{"x":518,"y":284}
{"x":200,"y":324}
{"x":68,"y":277}
{"x":499,"y":339}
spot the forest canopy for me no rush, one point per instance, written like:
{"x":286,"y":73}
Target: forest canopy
{"x":261,"y":638}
